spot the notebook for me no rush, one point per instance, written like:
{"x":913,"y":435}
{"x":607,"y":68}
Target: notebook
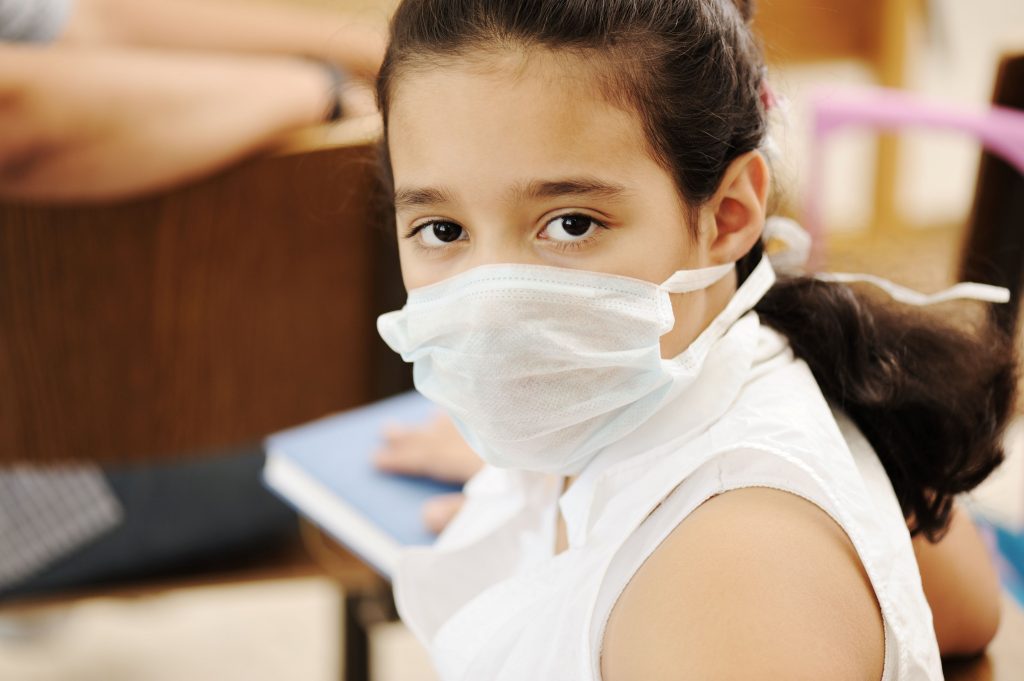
{"x":324,"y":470}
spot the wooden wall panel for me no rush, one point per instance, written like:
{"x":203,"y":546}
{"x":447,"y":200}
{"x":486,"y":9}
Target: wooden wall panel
{"x":200,"y":318}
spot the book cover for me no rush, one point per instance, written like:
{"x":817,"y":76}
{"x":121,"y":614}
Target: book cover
{"x":324,"y":469}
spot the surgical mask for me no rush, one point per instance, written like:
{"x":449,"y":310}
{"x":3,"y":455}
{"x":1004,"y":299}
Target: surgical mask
{"x":542,"y":367}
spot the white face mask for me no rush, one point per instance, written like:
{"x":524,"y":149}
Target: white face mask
{"x":541,"y":367}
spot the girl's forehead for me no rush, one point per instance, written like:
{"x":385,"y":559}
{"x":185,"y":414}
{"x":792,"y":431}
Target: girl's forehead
{"x":511,"y":110}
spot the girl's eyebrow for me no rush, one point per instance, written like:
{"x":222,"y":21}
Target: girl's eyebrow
{"x":575,"y":186}
{"x":417,"y":197}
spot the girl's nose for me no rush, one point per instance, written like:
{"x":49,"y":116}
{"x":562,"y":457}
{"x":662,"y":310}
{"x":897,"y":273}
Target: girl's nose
{"x":504,"y":249}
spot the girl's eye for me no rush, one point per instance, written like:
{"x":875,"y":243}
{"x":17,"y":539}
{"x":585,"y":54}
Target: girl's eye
{"x":570,"y":228}
{"x":439,"y":233}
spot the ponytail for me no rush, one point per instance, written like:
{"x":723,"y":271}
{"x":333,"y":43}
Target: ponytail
{"x":931,"y":397}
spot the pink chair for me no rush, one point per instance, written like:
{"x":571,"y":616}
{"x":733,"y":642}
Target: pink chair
{"x":999,"y":129}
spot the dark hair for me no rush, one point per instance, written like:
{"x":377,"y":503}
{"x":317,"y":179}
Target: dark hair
{"x":932,"y":398}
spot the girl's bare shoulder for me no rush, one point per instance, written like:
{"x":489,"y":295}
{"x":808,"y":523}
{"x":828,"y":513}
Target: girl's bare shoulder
{"x":755,"y":584}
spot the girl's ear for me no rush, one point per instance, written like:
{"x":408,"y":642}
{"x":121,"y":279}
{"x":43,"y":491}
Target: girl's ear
{"x":737,"y":210}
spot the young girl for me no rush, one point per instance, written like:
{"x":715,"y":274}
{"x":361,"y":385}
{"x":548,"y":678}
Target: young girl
{"x":678,"y":484}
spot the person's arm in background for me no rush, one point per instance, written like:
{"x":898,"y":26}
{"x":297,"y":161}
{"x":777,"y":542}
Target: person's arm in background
{"x":225,"y":25}
{"x":92,"y":124}
{"x":95,"y":115}
{"x":962,"y":587}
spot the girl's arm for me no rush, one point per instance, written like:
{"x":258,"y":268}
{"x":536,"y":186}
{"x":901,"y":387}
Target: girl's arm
{"x":754,"y":584}
{"x":961,"y":586}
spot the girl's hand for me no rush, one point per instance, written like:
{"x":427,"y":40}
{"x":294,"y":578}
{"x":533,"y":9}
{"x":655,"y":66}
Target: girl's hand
{"x":435,"y":450}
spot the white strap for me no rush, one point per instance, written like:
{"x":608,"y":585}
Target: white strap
{"x":793,"y":259}
{"x":687,"y":281}
{"x":961,"y":291}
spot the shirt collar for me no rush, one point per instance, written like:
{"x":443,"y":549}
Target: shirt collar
{"x":683,"y":415}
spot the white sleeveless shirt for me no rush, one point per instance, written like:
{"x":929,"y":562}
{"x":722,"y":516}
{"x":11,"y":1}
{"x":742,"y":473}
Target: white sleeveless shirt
{"x":492,"y":601}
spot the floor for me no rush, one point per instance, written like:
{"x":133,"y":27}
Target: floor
{"x":259,"y":631}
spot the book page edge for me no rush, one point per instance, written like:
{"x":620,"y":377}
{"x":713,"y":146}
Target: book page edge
{"x":326,"y":509}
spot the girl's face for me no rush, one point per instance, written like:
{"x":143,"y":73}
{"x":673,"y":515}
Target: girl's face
{"x":520,"y":159}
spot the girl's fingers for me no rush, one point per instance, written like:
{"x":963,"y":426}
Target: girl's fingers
{"x":439,"y":511}
{"x":400,"y":457}
{"x":393,"y":431}
{"x":434,"y":450}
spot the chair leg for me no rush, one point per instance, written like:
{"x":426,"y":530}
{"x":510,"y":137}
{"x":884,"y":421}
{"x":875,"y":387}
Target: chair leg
{"x":993,"y":251}
{"x":355,"y":641}
{"x":994,"y":247}
{"x":362,"y":610}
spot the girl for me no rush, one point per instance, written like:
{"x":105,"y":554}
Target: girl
{"x":581,"y":201}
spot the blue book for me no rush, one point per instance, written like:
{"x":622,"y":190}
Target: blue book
{"x":324,"y":469}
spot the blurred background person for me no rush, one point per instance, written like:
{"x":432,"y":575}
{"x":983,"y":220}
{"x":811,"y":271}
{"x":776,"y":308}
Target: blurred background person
{"x":103,"y":99}
{"x":109,"y":99}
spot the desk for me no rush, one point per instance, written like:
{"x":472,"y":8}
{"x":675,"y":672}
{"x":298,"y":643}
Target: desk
{"x":201,"y":317}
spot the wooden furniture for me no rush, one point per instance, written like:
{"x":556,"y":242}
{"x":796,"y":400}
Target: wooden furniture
{"x":200,"y":318}
{"x":876,"y":32}
{"x":873,"y":31}
{"x":367,"y":597}
{"x":994,"y":244}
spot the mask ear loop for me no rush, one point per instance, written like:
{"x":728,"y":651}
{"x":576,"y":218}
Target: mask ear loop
{"x":963,"y":291}
{"x":796,"y":251}
{"x":688,"y":281}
